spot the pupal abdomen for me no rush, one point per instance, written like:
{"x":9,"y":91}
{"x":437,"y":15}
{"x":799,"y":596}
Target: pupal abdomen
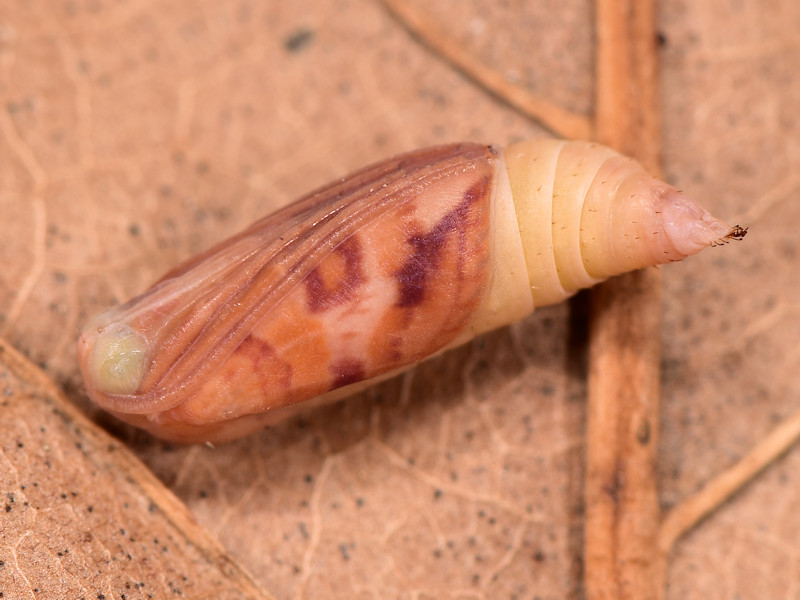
{"x":374,"y":273}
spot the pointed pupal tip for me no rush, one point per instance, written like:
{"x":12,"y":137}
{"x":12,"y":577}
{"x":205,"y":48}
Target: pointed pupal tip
{"x":690,"y":227}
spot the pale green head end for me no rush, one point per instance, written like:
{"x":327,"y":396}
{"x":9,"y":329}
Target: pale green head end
{"x":116,"y":361}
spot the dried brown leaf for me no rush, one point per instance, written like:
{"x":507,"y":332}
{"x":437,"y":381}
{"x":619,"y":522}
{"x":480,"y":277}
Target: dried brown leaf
{"x":134,"y":134}
{"x":83,"y":517}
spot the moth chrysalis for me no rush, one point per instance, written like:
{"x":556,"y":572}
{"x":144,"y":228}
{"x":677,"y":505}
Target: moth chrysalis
{"x":375,"y":272}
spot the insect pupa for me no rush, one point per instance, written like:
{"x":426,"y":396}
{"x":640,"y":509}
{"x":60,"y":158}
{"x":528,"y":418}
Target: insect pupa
{"x":375,"y":272}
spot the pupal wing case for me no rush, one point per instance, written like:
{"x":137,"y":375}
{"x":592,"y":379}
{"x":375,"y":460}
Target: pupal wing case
{"x":375,"y":272}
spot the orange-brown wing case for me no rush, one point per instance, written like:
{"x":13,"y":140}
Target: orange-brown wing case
{"x":361,"y":278}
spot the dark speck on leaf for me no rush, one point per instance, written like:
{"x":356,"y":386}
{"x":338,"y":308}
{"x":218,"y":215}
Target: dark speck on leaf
{"x":345,"y":551}
{"x":298,"y":40}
